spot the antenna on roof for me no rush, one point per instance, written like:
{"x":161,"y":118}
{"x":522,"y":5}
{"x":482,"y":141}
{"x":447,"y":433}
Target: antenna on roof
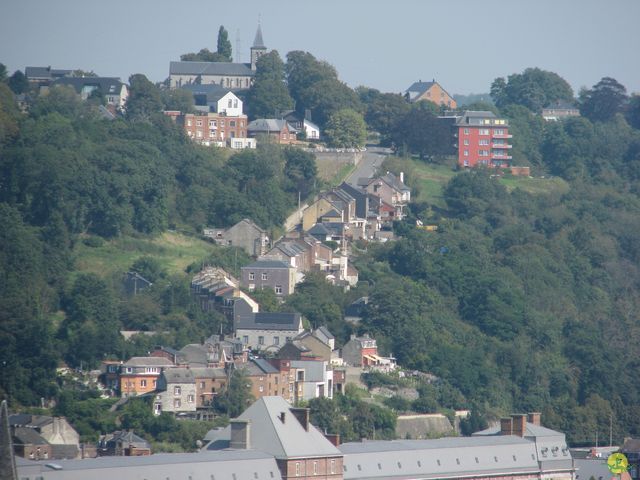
{"x":238,"y":55}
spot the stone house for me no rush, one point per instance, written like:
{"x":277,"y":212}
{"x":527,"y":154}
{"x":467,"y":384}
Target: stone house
{"x":271,"y":274}
{"x":245,"y":234}
{"x":176,"y":392}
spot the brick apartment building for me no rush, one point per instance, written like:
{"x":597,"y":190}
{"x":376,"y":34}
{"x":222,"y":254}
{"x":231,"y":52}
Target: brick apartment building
{"x":482,"y":139}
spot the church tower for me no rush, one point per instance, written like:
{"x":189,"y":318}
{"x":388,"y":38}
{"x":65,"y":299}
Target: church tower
{"x":258,"y":49}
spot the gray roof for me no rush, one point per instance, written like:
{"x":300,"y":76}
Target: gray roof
{"x":320,"y":229}
{"x":26,"y":436}
{"x":210,"y":68}
{"x":324,"y":331}
{"x":212,"y":91}
{"x":531,"y":430}
{"x":420,"y":87}
{"x":227,"y":465}
{"x":456,"y":456}
{"x":148,"y":361}
{"x":208,"y":372}
{"x":33,"y":73}
{"x":126,"y":437}
{"x":286,"y":439}
{"x":394,"y":182}
{"x":269,"y":125}
{"x":268,"y":321}
{"x":179,"y":375}
{"x":267,"y":264}
{"x":258,"y":42}
{"x":107,"y":85}
{"x":592,"y":467}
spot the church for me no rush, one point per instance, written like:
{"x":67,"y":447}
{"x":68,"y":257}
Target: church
{"x":229,"y":75}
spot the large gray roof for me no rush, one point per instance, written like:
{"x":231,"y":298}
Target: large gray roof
{"x":286,"y":439}
{"x":420,"y":87}
{"x":267,"y":264}
{"x":269,"y":125}
{"x":226,"y":465}
{"x":107,"y":85}
{"x":450,"y":457}
{"x":210,"y":68}
{"x":268,"y":321}
{"x":179,"y":375}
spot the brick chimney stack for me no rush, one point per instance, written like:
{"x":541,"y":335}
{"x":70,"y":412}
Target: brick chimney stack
{"x":519,"y":424}
{"x":334,"y":438}
{"x":302,"y":414}
{"x":506,"y":426}
{"x":534,"y":417}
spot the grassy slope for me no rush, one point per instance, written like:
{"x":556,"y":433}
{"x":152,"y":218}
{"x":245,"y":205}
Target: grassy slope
{"x":429,"y":180}
{"x":114,"y":257}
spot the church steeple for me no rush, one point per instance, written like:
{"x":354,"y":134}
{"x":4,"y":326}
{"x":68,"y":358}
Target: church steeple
{"x":258,"y":49}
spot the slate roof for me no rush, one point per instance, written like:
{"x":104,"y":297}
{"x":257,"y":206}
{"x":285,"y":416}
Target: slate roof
{"x":208,"y":372}
{"x":258,"y":42}
{"x":530,"y":431}
{"x":268,"y":321}
{"x":267,"y":264}
{"x":37,"y":73}
{"x":27,"y":436}
{"x":210,"y":68}
{"x":325,"y":332}
{"x":269,"y":125}
{"x":283,"y":440}
{"x":394,"y":182}
{"x":320,"y":229}
{"x":259,"y":366}
{"x":236,"y":464}
{"x":148,"y":362}
{"x":212,"y":91}
{"x":107,"y":85}
{"x":420,"y":87}
{"x":179,"y":375}
{"x":127,"y":437}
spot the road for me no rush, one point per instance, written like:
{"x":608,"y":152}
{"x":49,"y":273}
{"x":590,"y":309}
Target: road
{"x":371,"y":161}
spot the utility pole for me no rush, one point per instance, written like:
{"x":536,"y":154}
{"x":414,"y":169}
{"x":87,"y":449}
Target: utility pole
{"x":611,"y":429}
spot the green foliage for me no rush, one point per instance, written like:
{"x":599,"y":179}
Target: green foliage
{"x":301,"y":170}
{"x":268,"y":95}
{"x":422,"y":132}
{"x":18,"y":82}
{"x":534,"y":89}
{"x":149,"y":267}
{"x":144,"y":99}
{"x":236,"y":396}
{"x":224,"y":45}
{"x":632,"y":112}
{"x":473,"y":423}
{"x":604,"y":100}
{"x":346,"y":129}
{"x":383,"y":111}
{"x":177,"y":99}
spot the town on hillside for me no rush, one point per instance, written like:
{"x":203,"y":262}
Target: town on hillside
{"x":270,"y":393}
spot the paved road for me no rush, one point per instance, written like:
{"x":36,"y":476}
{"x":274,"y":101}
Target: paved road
{"x":371,"y":161}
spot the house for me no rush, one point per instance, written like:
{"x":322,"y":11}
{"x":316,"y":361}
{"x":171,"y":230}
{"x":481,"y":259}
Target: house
{"x":110,"y":374}
{"x":43,"y":76}
{"x":272,"y":274}
{"x":267,"y":331}
{"x":309,"y":345}
{"x":215,"y":289}
{"x":363,"y":352}
{"x":279,"y":131}
{"x":315,"y":377}
{"x":38,"y":437}
{"x":302,"y":124}
{"x":272,"y":426}
{"x":110,"y":89}
{"x":245,"y":234}
{"x":176,"y":392}
{"x":215,"y":99}
{"x":139,"y":375}
{"x":483,"y":139}
{"x":268,"y":379}
{"x":559,"y":111}
{"x":215,"y":352}
{"x":233,"y":76}
{"x":209,"y":382}
{"x":391,"y":190}
{"x":123,"y":443}
{"x":334,"y":206}
{"x":431,"y":91}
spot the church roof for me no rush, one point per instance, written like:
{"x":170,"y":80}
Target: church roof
{"x":258,"y":42}
{"x":210,"y":68}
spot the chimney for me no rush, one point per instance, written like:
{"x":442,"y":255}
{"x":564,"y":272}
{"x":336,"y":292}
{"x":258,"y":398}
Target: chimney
{"x":334,"y":438}
{"x":401,"y":177}
{"x":534,"y":417}
{"x":506,"y":426}
{"x":282,"y":417}
{"x":240,"y":434}
{"x":519,"y":424}
{"x":302,"y":414}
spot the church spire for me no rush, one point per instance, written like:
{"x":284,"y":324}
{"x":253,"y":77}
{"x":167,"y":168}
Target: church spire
{"x":258,"y":48}
{"x":258,"y":42}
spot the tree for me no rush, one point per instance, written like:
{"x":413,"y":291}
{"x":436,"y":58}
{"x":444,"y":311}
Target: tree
{"x":422,"y":132}
{"x":534,"y":88}
{"x":149,"y":267}
{"x":346,"y":129}
{"x":178,"y":99}
{"x":224,"y":45}
{"x":268,"y":96}
{"x":236,"y":396}
{"x":605,"y":99}
{"x":632,"y":112}
{"x":144,"y":98}
{"x":3,"y":72}
{"x":300,"y":168}
{"x":18,"y":82}
{"x":383,"y":111}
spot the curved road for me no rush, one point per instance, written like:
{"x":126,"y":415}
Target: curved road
{"x":368,"y":166}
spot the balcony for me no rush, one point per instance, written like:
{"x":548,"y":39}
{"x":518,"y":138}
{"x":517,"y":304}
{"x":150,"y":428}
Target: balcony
{"x":503,"y":135}
{"x":501,"y":145}
{"x":498,"y":156}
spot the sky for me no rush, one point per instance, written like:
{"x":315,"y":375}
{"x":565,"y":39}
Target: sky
{"x":388,"y":45}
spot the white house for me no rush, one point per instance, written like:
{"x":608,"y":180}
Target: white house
{"x":316,"y":378}
{"x":267,"y":331}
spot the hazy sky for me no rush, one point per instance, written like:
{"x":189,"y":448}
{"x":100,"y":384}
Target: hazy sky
{"x":388,"y":45}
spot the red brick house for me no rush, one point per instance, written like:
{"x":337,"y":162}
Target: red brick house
{"x":483,"y":139}
{"x":279,"y":131}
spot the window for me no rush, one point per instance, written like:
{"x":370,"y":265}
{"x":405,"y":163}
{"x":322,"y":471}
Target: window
{"x":252,"y":276}
{"x":466,"y":141}
{"x":176,"y":403}
{"x":466,"y":163}
{"x":198,"y":123}
{"x":276,"y":341}
{"x":477,"y":461}
{"x":466,"y":153}
{"x":252,"y":287}
{"x":189,"y":123}
{"x":301,"y":375}
{"x":189,"y":398}
{"x":235,"y":103}
{"x":297,"y":469}
{"x":438,"y":462}
{"x":261,"y":388}
{"x":230,"y":103}
{"x":332,"y":466}
{"x":155,"y":383}
{"x":245,"y":339}
{"x":483,"y":141}
{"x":359,"y":467}
{"x":143,"y":383}
{"x":495,"y":459}
{"x":202,"y":385}
{"x":466,"y":131}
{"x":222,"y":123}
{"x":315,"y":467}
{"x":232,"y":123}
{"x":458,"y":461}
{"x":260,"y":340}
{"x":399,"y":465}
{"x":129,"y":370}
{"x":483,"y":131}
{"x":264,"y":275}
{"x":287,"y":339}
{"x":514,"y":458}
{"x":278,"y":289}
{"x":498,"y":131}
{"x":176,"y":390}
{"x":419,"y":463}
{"x":483,"y":153}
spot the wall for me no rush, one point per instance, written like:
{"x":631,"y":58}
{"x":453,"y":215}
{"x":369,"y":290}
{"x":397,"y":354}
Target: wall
{"x":330,"y":163}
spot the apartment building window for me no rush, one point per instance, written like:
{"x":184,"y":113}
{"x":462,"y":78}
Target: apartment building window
{"x":498,"y":131}
{"x":483,"y":131}
{"x":177,"y":403}
{"x":212,"y":123}
{"x":143,"y":383}
{"x":190,"y":398}
{"x":261,"y":388}
{"x":276,"y":341}
{"x":129,"y":370}
{"x":466,"y":131}
{"x":245,"y":339}
{"x":252,"y":287}
{"x":297,"y":469}
{"x":189,"y":123}
{"x":466,"y":141}
{"x":198,"y":123}
{"x":264,"y":275}
{"x":155,"y":383}
{"x":199,"y":134}
{"x":483,"y":153}
{"x":466,"y":153}
{"x":232,"y":123}
{"x":278,"y":289}
{"x":483,"y":141}
{"x":252,"y":276}
{"x":222,"y":123}
{"x":260,"y":340}
{"x":176,"y":390}
{"x":202,"y":385}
